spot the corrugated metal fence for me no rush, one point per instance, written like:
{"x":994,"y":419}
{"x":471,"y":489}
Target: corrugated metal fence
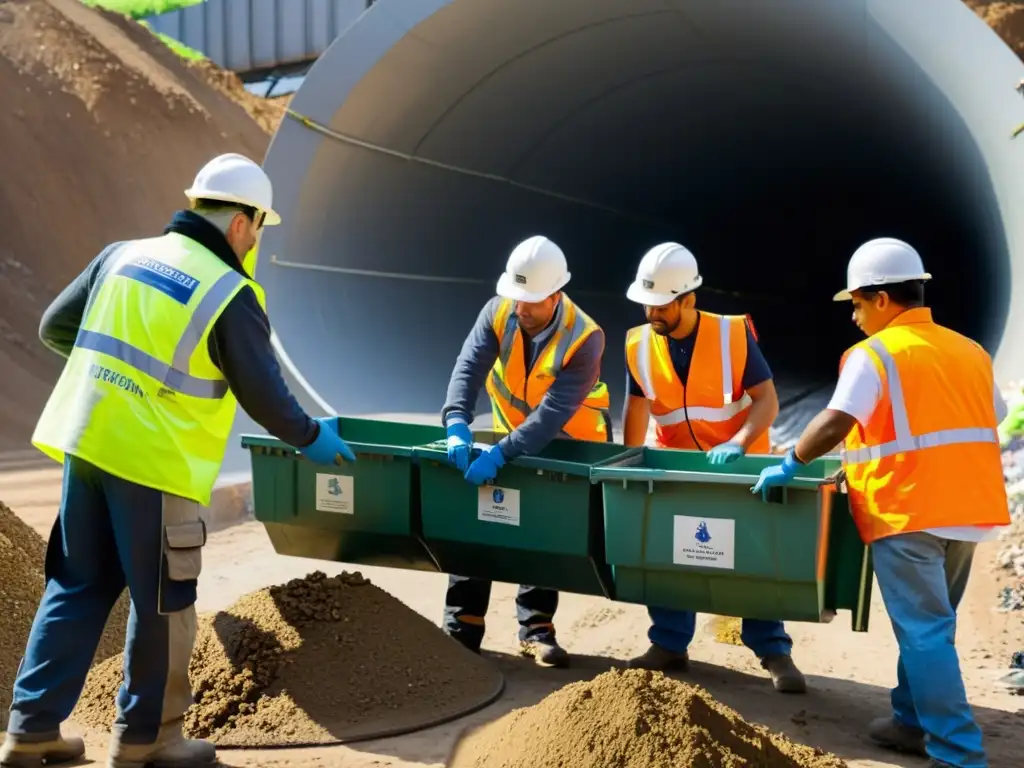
{"x":246,"y":35}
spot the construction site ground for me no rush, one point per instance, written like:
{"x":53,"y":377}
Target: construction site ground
{"x":849,"y":673}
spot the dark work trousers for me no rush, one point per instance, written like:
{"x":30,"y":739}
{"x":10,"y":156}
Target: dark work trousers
{"x":110,"y":534}
{"x":466,"y":605}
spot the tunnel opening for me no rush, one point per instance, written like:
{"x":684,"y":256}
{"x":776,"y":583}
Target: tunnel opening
{"x":770,"y":138}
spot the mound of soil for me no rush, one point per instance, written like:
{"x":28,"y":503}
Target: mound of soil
{"x":314,"y":661}
{"x":22,"y":553}
{"x":102,"y":128}
{"x":631,"y":719}
{"x":1005,"y":18}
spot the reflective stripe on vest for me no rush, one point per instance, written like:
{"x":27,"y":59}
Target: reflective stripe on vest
{"x":905,"y":440}
{"x":174,"y":376}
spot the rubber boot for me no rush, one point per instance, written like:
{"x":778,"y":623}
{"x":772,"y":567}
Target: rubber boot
{"x":545,"y":651}
{"x":660,"y":659}
{"x":171,"y":751}
{"x":891,"y":734}
{"x":30,"y":750}
{"x":785,"y":676}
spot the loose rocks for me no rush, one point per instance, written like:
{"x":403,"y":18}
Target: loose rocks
{"x":317,"y":660}
{"x":631,"y":719}
{"x":22,"y":552}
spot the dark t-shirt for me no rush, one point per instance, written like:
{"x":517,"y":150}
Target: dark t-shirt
{"x":681,"y":352}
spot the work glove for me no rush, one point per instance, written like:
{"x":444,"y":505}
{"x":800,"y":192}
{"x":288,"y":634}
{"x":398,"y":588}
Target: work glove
{"x":725,"y":453}
{"x":486,"y":465}
{"x":777,"y":476}
{"x":460,"y":441}
{"x":328,"y":448}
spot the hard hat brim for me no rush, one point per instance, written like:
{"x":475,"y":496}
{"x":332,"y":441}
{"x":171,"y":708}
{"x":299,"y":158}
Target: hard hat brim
{"x":641,"y":295}
{"x":508,"y":289}
{"x":271,"y":217}
{"x":847,"y":294}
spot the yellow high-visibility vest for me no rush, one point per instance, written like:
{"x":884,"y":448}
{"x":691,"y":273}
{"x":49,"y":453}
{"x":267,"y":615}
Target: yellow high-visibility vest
{"x":139,"y":396}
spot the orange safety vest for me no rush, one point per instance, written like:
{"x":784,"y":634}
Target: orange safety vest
{"x":515,"y":392}
{"x":716,"y":404}
{"x":929,"y":456}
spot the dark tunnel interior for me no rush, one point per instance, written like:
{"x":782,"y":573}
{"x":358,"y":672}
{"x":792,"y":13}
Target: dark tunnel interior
{"x":771,"y":139}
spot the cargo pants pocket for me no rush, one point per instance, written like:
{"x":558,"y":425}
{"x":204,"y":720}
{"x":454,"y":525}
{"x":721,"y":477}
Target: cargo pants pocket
{"x":184,"y":536}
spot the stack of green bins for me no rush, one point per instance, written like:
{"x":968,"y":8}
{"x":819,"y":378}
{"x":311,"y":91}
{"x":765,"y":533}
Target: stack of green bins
{"x":539,"y":523}
{"x":680,"y":533}
{"x":364,"y":513}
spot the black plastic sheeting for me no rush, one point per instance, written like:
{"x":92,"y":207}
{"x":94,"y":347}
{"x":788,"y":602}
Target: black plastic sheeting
{"x":771,"y":138}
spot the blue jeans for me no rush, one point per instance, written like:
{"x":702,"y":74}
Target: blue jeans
{"x":673,"y":631}
{"x":922,"y":579}
{"x":111,"y":534}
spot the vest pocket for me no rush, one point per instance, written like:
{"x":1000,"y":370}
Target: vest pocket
{"x":184,"y":550}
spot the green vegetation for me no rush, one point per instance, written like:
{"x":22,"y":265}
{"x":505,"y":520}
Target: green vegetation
{"x":140,"y":9}
{"x":178,"y":47}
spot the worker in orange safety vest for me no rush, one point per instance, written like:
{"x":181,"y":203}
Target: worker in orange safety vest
{"x":918,"y":409}
{"x":707,"y":385}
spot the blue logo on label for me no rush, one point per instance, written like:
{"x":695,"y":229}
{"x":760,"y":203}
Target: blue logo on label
{"x":163,"y":277}
{"x":498,"y":495}
{"x":334,"y":487}
{"x":702,"y":534}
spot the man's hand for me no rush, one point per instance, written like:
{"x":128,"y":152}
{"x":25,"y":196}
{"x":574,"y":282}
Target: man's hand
{"x":486,"y":466}
{"x":777,"y":476}
{"x":460,"y":440}
{"x":725,"y":453}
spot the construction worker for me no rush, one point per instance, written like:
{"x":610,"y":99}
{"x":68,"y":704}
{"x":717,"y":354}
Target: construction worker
{"x":163,"y":337}
{"x":540,"y":355}
{"x":918,"y":408}
{"x":705,"y":381}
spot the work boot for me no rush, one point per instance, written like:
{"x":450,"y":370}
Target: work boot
{"x":175,"y":752}
{"x":785,"y":676}
{"x":889,"y":733}
{"x":545,"y":651}
{"x":30,"y":750}
{"x":660,"y":659}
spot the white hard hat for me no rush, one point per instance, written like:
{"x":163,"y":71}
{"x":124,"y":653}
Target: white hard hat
{"x":666,"y":272}
{"x":882,"y":261}
{"x":234,"y":178}
{"x":535,"y":270}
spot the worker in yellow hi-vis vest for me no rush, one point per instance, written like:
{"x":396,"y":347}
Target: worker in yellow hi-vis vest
{"x":163,"y":338}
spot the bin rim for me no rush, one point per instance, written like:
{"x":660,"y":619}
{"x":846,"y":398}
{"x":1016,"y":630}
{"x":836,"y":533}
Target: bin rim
{"x":250,"y":441}
{"x":438,"y":452}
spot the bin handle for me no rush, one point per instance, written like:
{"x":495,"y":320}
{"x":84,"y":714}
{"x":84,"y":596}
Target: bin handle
{"x":677,"y":476}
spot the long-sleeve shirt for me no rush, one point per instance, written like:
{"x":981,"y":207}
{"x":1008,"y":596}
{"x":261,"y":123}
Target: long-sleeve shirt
{"x":239,"y":343}
{"x":567,"y":393}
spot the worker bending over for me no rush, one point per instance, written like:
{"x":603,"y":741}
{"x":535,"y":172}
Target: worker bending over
{"x":161,"y":336}
{"x":917,"y":407}
{"x":705,"y":381}
{"x":540,"y":356}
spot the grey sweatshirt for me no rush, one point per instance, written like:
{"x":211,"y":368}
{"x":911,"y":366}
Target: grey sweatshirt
{"x":560,"y":402}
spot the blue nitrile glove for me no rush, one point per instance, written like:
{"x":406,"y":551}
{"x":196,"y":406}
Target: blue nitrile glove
{"x":486,"y":465}
{"x":460,"y":441}
{"x":777,"y":476}
{"x":725,"y":453}
{"x":328,"y":446}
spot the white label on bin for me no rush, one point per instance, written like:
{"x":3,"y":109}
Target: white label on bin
{"x":498,"y":505}
{"x":335,"y":493}
{"x":708,"y":542}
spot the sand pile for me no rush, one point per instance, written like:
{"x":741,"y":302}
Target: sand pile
{"x":1005,"y":18}
{"x":22,"y":553}
{"x":102,"y":127}
{"x":631,"y":719}
{"x":317,"y":660}
{"x":728,"y":630}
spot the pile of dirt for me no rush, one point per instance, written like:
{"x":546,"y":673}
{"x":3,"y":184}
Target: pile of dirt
{"x":22,"y":553}
{"x":728,"y":630}
{"x":102,"y":127}
{"x":1005,"y":18}
{"x":631,"y":719}
{"x":314,"y":661}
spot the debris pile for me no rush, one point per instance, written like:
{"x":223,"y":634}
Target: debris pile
{"x":315,"y":661}
{"x":1011,"y":555}
{"x":631,"y":719}
{"x":22,"y":552}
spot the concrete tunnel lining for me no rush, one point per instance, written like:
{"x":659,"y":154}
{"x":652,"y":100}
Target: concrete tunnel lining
{"x":771,"y":138}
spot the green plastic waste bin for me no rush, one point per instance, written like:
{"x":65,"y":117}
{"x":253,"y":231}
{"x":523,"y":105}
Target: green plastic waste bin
{"x":540,"y":523}
{"x":365,"y":513}
{"x":680,"y":533}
